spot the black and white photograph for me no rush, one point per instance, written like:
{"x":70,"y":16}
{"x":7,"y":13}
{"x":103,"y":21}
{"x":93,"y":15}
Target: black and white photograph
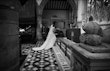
{"x":54,"y":35}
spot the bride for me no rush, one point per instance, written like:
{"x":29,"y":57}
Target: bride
{"x":49,"y":42}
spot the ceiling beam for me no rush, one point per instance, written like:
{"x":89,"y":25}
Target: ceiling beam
{"x":57,"y":5}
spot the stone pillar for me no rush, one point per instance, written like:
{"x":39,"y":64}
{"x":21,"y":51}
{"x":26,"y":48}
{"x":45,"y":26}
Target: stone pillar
{"x":39,"y":28}
{"x":39,"y":24}
{"x":81,"y":12}
{"x":9,"y":36}
{"x":82,"y":8}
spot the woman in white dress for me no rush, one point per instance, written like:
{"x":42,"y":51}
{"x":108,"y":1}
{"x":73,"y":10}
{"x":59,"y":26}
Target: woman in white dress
{"x":49,"y":42}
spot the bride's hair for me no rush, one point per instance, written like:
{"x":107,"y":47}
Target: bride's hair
{"x":54,"y":24}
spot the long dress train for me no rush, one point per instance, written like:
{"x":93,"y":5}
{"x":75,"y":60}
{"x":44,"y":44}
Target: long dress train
{"x":49,"y":42}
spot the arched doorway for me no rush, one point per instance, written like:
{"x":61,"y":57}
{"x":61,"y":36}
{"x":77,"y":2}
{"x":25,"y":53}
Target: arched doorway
{"x":63,"y":12}
{"x":40,"y":10}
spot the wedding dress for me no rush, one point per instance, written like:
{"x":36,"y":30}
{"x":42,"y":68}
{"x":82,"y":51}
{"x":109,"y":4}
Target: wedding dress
{"x":49,"y":42}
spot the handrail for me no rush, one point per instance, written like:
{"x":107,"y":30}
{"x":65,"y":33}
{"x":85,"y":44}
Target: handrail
{"x":67,"y":44}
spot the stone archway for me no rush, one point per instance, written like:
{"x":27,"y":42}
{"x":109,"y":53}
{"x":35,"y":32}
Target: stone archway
{"x":72,"y":3}
{"x":40,"y":9}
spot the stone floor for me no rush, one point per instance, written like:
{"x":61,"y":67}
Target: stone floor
{"x":43,"y":60}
